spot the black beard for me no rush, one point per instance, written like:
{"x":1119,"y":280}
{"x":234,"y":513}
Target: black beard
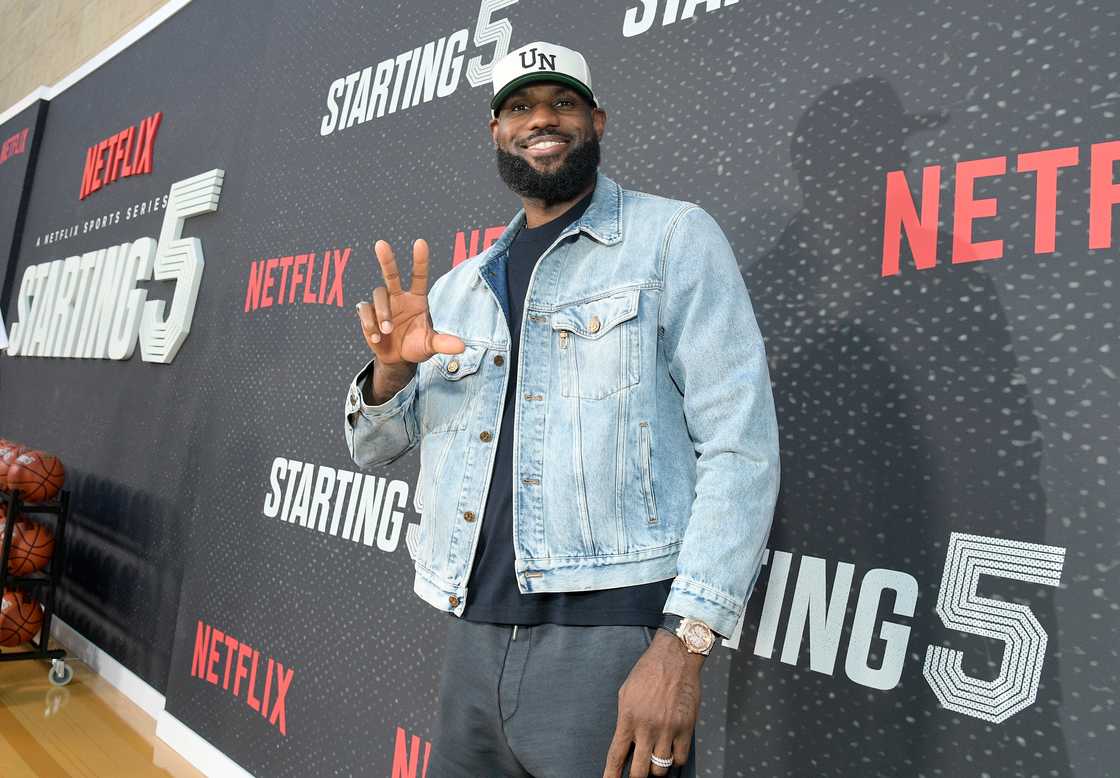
{"x":576,"y":172}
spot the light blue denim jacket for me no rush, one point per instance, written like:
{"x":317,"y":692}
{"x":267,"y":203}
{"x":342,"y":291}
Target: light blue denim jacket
{"x":645,"y":440}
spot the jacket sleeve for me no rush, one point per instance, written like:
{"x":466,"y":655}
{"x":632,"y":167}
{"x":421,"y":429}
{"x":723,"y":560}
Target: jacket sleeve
{"x":379,"y":434}
{"x":717,"y":359}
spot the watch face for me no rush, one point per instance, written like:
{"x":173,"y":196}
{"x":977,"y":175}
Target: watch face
{"x":697,"y":636}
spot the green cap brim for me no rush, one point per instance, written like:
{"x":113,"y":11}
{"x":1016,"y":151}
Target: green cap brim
{"x":532,"y":78}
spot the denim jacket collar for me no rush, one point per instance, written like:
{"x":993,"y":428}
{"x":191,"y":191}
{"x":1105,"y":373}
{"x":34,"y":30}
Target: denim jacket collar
{"x":602,"y":221}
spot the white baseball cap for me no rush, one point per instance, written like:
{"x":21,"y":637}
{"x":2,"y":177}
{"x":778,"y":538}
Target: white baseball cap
{"x":540,"y":61}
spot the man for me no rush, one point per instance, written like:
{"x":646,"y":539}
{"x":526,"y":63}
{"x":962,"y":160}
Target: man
{"x":598,"y":451}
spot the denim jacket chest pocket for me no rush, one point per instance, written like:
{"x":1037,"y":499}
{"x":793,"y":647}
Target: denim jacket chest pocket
{"x":598,"y":342}
{"x":451,"y":385}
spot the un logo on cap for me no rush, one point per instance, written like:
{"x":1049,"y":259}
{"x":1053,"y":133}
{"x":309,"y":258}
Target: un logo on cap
{"x":542,"y":61}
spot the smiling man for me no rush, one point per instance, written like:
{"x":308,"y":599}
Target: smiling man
{"x":598,"y":447}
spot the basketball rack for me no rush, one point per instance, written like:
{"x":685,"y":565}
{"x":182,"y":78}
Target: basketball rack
{"x":60,"y":673}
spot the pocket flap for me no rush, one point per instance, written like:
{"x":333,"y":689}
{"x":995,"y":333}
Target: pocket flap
{"x":454,"y":366}
{"x":594,"y":318}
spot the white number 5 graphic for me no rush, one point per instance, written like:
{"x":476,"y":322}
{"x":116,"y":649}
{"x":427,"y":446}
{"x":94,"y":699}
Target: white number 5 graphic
{"x":180,"y":260}
{"x":960,"y":608}
{"x":489,"y":31}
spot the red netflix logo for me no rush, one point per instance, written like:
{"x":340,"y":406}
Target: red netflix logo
{"x":921,"y":227}
{"x":313,"y":281}
{"x":273,"y":684}
{"x":488,"y":235}
{"x":17,"y":144}
{"x":406,"y":756}
{"x":127,"y":153}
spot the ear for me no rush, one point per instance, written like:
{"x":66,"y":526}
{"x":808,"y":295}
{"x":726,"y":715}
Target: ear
{"x":494,"y":131}
{"x":599,"y":121}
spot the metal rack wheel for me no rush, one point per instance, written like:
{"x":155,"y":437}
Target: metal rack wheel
{"x":60,"y":673}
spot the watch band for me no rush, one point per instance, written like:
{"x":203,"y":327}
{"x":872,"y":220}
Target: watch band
{"x":670,"y":622}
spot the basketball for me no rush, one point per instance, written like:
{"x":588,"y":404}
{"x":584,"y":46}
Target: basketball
{"x":8,"y":452}
{"x":21,"y":616}
{"x":3,"y":522}
{"x":37,"y":475}
{"x":32,"y":547}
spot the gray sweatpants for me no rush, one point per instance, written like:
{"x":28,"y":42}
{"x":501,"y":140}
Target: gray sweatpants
{"x":541,"y":704}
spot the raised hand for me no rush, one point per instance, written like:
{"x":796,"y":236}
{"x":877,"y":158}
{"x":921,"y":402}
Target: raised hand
{"x":397,"y":326}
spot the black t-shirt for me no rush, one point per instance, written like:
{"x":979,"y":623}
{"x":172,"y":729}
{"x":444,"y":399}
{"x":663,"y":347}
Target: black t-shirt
{"x":493,"y":595}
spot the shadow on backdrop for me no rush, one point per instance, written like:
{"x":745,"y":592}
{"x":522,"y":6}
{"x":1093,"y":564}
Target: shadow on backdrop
{"x":904,"y":417}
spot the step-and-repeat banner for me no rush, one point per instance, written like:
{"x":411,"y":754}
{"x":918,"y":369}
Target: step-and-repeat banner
{"x":921,"y":196}
{"x":19,"y":138}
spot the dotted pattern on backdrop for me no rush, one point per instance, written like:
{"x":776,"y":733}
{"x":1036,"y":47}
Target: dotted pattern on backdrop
{"x":976,"y":398}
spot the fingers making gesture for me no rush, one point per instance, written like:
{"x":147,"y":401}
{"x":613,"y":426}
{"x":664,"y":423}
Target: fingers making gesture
{"x":397,"y":325}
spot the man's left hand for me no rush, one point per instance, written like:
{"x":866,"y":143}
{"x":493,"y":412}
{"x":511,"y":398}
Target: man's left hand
{"x":657,"y":709}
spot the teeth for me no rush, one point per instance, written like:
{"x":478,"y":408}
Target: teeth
{"x":545,"y":144}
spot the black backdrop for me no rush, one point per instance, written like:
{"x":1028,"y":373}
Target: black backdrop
{"x":19,"y":146}
{"x":974,"y":398}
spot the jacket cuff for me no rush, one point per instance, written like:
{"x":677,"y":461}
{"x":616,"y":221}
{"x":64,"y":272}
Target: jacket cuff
{"x":355,"y":397}
{"x":696,"y":600}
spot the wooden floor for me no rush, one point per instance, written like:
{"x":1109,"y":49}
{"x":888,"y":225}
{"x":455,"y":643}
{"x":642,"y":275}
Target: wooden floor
{"x":86,"y":728}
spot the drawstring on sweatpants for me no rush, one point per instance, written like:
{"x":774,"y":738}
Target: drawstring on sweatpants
{"x":515,"y":632}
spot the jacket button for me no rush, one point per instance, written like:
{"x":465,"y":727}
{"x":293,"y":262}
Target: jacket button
{"x":468,"y":515}
{"x":353,"y":398}
{"x":484,"y":436}
{"x":452,"y":366}
{"x":594,"y":324}
{"x":454,"y":601}
{"x":498,"y":359}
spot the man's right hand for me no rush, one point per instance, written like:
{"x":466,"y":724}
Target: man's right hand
{"x":397,"y":326}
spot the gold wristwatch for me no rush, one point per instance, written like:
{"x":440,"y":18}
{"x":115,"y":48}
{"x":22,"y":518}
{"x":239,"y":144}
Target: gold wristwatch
{"x":697,"y":636}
